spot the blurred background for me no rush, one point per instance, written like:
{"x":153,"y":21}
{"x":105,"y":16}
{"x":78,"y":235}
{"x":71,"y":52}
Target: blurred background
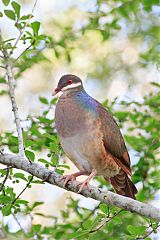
{"x":112,"y":45}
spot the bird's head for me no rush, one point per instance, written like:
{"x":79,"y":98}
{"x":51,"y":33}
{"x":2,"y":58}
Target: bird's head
{"x":68,"y":82}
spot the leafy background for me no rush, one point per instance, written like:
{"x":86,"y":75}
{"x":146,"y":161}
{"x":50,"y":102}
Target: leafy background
{"x":114,"y":47}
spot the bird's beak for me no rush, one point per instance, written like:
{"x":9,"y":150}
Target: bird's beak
{"x":56,"y":91}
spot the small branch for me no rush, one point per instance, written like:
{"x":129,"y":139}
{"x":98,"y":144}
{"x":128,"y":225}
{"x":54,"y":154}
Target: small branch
{"x":22,"y":190}
{"x":106,"y":221}
{"x":107,"y":197}
{"x":8,"y":168}
{"x":17,"y":221}
{"x":5,"y":179}
{"x":90,"y":214}
{"x":11,"y":83}
{"x":148,"y":233}
{"x":23,"y":30}
{"x":23,"y":52}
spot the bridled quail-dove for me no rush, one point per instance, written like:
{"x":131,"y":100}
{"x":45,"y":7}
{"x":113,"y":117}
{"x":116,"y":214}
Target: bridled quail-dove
{"x":91,"y":138}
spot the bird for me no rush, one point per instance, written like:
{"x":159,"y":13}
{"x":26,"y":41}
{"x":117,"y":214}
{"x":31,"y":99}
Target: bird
{"x":91,"y":138}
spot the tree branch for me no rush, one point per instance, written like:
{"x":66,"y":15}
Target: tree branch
{"x":19,"y":224}
{"x":23,"y":53}
{"x":103,"y":196}
{"x":23,"y":30}
{"x":5,"y":179}
{"x":106,"y":221}
{"x":149,"y":233}
{"x":23,"y":190}
{"x":11,"y":83}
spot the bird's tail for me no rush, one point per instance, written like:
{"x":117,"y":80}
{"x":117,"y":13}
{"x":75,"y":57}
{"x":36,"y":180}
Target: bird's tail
{"x":123,"y":185}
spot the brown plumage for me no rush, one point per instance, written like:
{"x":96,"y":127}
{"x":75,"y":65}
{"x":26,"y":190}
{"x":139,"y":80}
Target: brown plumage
{"x":91,"y":138}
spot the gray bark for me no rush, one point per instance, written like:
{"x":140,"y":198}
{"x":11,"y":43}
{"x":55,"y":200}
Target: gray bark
{"x":107,"y":197}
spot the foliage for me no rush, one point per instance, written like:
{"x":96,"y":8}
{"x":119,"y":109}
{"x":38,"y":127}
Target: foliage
{"x":140,"y":118}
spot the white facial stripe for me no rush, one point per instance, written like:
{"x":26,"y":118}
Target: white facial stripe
{"x":73,"y":85}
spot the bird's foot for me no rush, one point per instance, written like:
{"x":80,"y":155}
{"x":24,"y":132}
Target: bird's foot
{"x":84,"y":184}
{"x":87,"y":181}
{"x":72,"y":177}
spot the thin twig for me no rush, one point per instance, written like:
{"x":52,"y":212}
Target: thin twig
{"x":2,"y":234}
{"x":8,"y":168}
{"x":148,"y":234}
{"x":106,"y":221}
{"x":23,"y":30}
{"x":90,"y":214}
{"x":11,"y":83}
{"x":23,"y":190}
{"x":17,"y":221}
{"x":5,"y":179}
{"x":23,"y":52}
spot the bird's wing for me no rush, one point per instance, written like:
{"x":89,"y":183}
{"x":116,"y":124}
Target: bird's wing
{"x":113,"y":140}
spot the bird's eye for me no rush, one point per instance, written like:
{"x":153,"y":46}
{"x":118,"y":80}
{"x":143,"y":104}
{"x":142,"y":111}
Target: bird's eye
{"x":69,"y":81}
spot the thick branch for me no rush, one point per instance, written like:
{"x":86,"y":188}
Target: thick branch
{"x":103,"y":196}
{"x":11,"y":83}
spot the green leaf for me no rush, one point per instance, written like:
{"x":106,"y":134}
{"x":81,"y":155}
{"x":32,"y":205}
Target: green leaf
{"x":155,"y":84}
{"x":14,"y":139}
{"x":87,"y":224}
{"x":53,"y":101}
{"x":2,"y":80}
{"x":1,"y":14}
{"x":10,"y":192}
{"x":22,"y":201}
{"x":29,"y":143}
{"x":45,"y":120}
{"x":36,"y":204}
{"x":16,"y":8}
{"x":54,"y":148}
{"x":6,"y":210}
{"x":51,"y":137}
{"x":5,"y":199}
{"x":117,"y":220}
{"x":59,"y":171}
{"x":37,"y":182}
{"x":6,"y":2}
{"x":30,"y":155}
{"x":75,"y":235}
{"x":104,"y":208}
{"x":43,"y":100}
{"x":36,"y":228}
{"x":64,"y":166}
{"x":25,"y":17}
{"x":10,"y":14}
{"x":35,"y":26}
{"x":122,"y":116}
{"x":136,"y":230}
{"x":44,"y":161}
{"x":20,"y":175}
{"x":54,"y":160}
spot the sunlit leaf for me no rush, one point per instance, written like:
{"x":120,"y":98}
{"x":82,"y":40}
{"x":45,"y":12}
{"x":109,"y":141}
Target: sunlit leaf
{"x":10,"y":14}
{"x":16,"y":8}
{"x":6,"y":2}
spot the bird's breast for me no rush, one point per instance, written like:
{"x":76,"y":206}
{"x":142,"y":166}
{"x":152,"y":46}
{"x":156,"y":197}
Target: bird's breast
{"x":82,"y":148}
{"x":81,"y":136}
{"x":73,"y":117}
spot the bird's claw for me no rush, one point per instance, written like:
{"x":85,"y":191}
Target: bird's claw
{"x":68,"y":178}
{"x":82,"y":185}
